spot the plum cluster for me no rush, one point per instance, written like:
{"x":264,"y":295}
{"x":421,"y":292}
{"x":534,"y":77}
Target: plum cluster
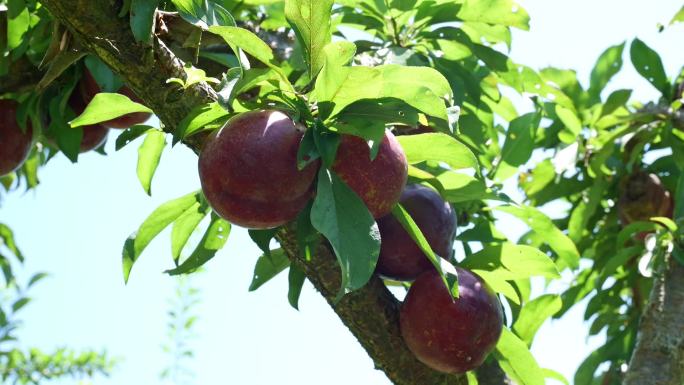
{"x":16,"y":144}
{"x":249,"y":175}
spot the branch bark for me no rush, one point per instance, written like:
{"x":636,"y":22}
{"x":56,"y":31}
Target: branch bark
{"x":370,"y":313}
{"x":658,"y":357}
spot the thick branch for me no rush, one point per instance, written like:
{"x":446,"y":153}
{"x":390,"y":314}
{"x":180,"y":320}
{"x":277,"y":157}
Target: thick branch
{"x":658,"y":357}
{"x":144,"y":68}
{"x":370,"y":313}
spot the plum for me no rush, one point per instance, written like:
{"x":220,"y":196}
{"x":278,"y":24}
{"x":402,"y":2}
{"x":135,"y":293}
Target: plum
{"x":15,"y":144}
{"x":400,"y":258}
{"x":378,"y":182}
{"x":248,"y":170}
{"x":643,"y":196}
{"x":451,"y":335}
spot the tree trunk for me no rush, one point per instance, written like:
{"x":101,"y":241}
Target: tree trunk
{"x":658,"y":357}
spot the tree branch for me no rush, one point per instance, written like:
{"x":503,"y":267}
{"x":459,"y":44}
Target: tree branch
{"x":370,"y":313}
{"x":658,"y":357}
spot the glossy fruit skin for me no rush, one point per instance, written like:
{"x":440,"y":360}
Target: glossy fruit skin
{"x":94,"y":135}
{"x":248,"y":170}
{"x":15,"y":145}
{"x":451,"y":335}
{"x":89,"y":88}
{"x":643,"y":196}
{"x":379,"y":182}
{"x":400,"y":258}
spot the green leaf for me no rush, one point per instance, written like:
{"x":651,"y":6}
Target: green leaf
{"x":310,"y":20}
{"x":185,"y":225}
{"x":19,"y":23}
{"x":548,"y":373}
{"x":572,"y":123}
{"x":107,"y":106}
{"x":268,"y":267}
{"x":678,"y":17}
{"x":36,"y":278}
{"x":342,"y":217}
{"x":632,"y":229}
{"x":295,"y":279}
{"x":149,"y":154}
{"x":615,"y":100}
{"x":20,"y":303}
{"x":512,"y":261}
{"x":648,"y":63}
{"x":7,"y":238}
{"x":193,"y":75}
{"x":130,"y":134}
{"x":250,"y":43}
{"x":204,"y":117}
{"x":439,"y":148}
{"x":501,"y":12}
{"x":263,"y":238}
{"x":423,"y":88}
{"x":579,"y":218}
{"x":484,"y":231}
{"x":142,"y":19}
{"x":369,"y":118}
{"x":457,"y":188}
{"x":203,"y":13}
{"x":533,"y":315}
{"x":160,"y":218}
{"x":405,"y":220}
{"x":517,"y":148}
{"x":338,"y":54}
{"x":499,"y":284}
{"x":545,"y":229}
{"x":607,"y":65}
{"x":517,"y":361}
{"x":214,"y":239}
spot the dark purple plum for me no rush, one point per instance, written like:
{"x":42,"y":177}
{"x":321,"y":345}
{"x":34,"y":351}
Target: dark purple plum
{"x":451,"y":335}
{"x":643,"y":196}
{"x":15,"y":144}
{"x":378,"y":182}
{"x":248,"y":170}
{"x":400,"y":257}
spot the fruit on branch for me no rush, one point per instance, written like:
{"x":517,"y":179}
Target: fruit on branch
{"x":400,"y":258}
{"x":451,"y":335}
{"x":89,"y":88}
{"x":643,"y":196}
{"x":93,"y":135}
{"x":15,"y":144}
{"x":378,"y":182}
{"x":248,"y":170}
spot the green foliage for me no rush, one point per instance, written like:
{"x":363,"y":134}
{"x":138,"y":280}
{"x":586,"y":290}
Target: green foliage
{"x":160,"y":218}
{"x":433,"y":72}
{"x":340,"y":215}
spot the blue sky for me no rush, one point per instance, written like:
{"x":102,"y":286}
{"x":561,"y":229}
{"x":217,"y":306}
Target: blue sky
{"x":73,"y":226}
